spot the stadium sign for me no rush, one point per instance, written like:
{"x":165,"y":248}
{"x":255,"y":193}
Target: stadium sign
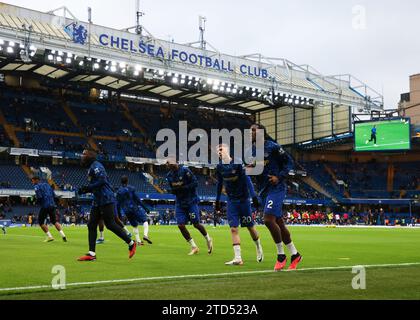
{"x":31,"y":193}
{"x":178,"y":54}
{"x":57,"y":32}
{"x":307,"y":202}
{"x":77,"y":32}
{"x":23,"y":152}
{"x":49,"y":153}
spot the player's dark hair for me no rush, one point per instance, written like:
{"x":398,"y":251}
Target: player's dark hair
{"x":267,"y":137}
{"x":124,"y":180}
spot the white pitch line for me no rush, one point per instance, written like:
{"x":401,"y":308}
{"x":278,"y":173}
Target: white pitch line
{"x":195,"y":276}
{"x":382,"y":145}
{"x":22,"y":236}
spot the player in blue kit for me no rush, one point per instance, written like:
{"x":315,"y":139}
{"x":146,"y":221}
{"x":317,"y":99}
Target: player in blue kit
{"x":45,"y":197}
{"x":118,"y":221}
{"x":103,"y":205}
{"x":129,"y":203}
{"x":373,"y":136}
{"x":273,"y":189}
{"x":239,"y":189}
{"x":183,"y":184}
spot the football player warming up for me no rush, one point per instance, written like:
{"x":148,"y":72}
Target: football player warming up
{"x":239,"y":189}
{"x":273,"y":189}
{"x":183,"y":184}
{"x":103,"y":205}
{"x":130,"y":203}
{"x":45,"y":196}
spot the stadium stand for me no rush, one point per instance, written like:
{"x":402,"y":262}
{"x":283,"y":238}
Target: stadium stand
{"x":13,"y":177}
{"x":35,"y":111}
{"x":407,"y":179}
{"x":43,"y":141}
{"x":102,"y":119}
{"x":106,"y":123}
{"x":127,"y":128}
{"x":366,"y":180}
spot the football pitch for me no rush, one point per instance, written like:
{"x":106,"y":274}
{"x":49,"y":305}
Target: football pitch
{"x":164,"y":271}
{"x":392,"y":135}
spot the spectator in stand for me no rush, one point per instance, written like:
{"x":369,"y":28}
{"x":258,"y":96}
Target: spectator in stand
{"x":382,"y":216}
{"x":318,"y":217}
{"x":30,"y":219}
{"x":305,"y":217}
{"x":346,"y":218}
{"x":289,"y":215}
{"x":370,"y":217}
{"x":296,"y":216}
{"x":337,"y":219}
{"x":312,"y":218}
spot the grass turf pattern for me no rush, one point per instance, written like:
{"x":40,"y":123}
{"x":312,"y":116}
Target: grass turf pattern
{"x":27,"y":261}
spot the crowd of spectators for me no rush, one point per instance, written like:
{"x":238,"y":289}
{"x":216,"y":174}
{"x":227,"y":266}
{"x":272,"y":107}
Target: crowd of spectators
{"x":74,"y":214}
{"x":377,"y":217}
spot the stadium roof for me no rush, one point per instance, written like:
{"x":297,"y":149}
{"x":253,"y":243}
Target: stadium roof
{"x":64,"y":49}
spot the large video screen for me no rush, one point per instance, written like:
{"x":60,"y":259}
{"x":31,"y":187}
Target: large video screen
{"x":385,"y":135}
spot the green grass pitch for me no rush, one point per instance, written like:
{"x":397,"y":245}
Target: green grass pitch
{"x":391,"y":135}
{"x":26,"y":261}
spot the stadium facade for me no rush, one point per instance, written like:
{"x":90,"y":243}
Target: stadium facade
{"x":295,"y":102}
{"x":81,"y":84}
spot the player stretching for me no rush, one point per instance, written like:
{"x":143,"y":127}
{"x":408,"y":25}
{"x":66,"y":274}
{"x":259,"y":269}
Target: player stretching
{"x":183,"y":185}
{"x":373,"y":136}
{"x":103,"y":205}
{"x":45,"y":196}
{"x":239,"y":189}
{"x":129,"y":202}
{"x":273,"y":190}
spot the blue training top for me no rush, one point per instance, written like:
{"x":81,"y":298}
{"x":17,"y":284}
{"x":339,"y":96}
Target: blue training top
{"x":99,"y":185}
{"x":45,"y":195}
{"x":237,"y":184}
{"x":183,"y":185}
